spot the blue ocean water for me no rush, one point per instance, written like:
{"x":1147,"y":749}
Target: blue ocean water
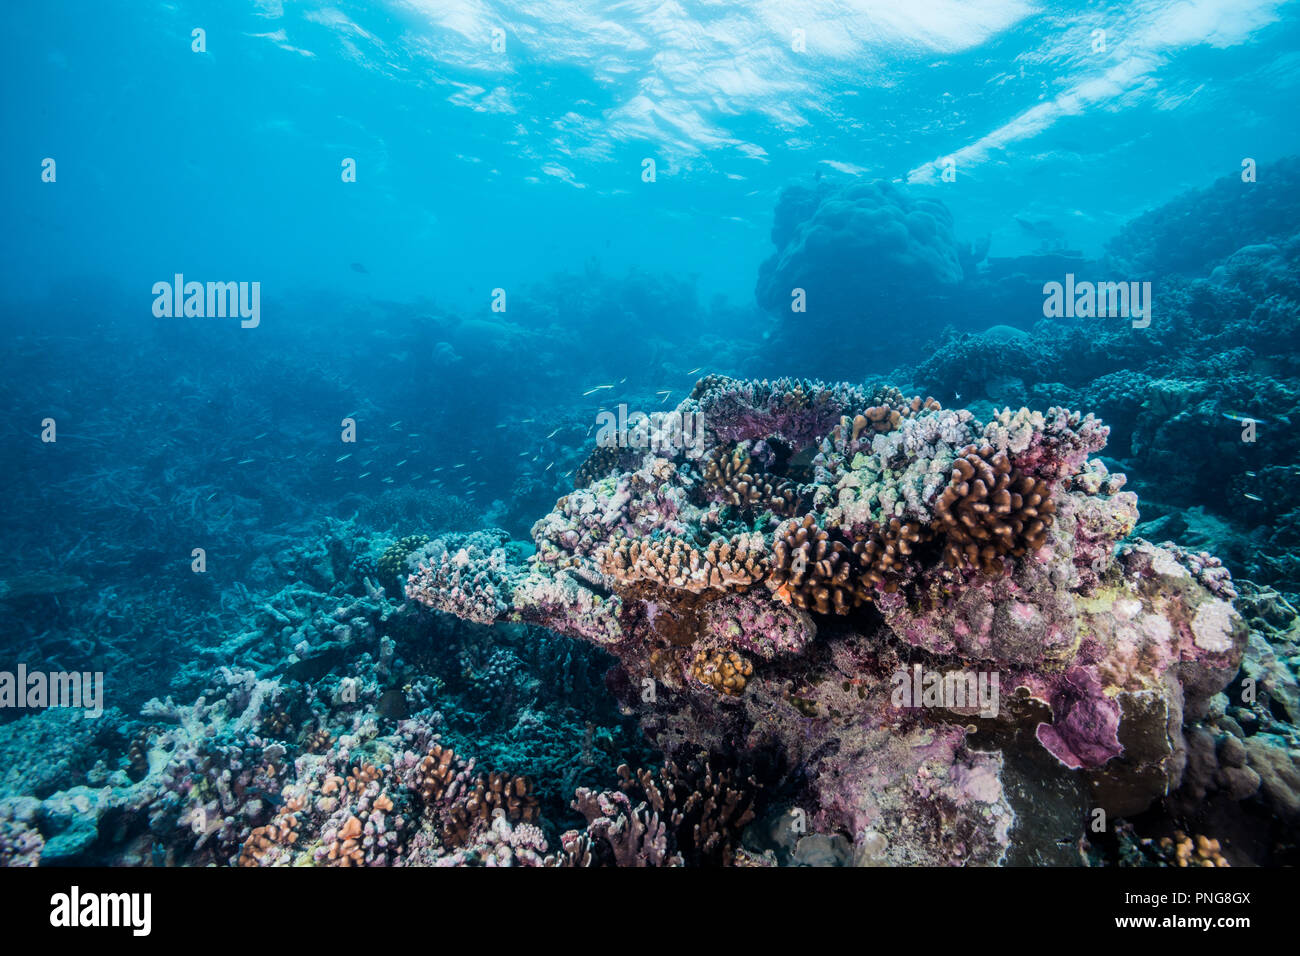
{"x":456,"y":232}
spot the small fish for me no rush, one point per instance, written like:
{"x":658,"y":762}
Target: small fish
{"x":439,"y":468}
{"x":364,"y":474}
{"x":598,"y":388}
{"x":622,"y":380}
{"x":247,"y":461}
{"x":694,"y":370}
{"x":535,"y":457}
{"x":526,"y":421}
{"x":566,"y":474}
{"x":549,"y":467}
{"x":224,"y":460}
{"x":388,"y":481}
{"x":1238,"y":417}
{"x":396,"y":423}
{"x":343,"y":458}
{"x":263,"y":435}
{"x":503,"y":425}
{"x":589,"y":429}
{"x":412,"y":434}
{"x":554,"y":433}
{"x":458,"y":466}
{"x":401,"y":463}
{"x":416,"y":477}
{"x":1250,"y":474}
{"x":211,"y":496}
{"x":1253,"y":497}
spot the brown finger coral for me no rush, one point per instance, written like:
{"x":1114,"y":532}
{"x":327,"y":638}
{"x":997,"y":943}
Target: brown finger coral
{"x":437,"y":774}
{"x":811,"y":571}
{"x":509,"y":795}
{"x":512,"y":795}
{"x":725,"y":671}
{"x":879,"y":418}
{"x":282,"y":832}
{"x":733,"y":474}
{"x":725,"y":564}
{"x":882,"y":555}
{"x":989,"y":511}
{"x":890,"y":412}
{"x":706,"y":809}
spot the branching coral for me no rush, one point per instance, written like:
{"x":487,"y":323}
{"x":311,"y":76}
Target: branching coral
{"x":990,"y":511}
{"x":731,"y":474}
{"x":706,"y":809}
{"x":883,"y":554}
{"x":811,"y":571}
{"x":634,"y":836}
{"x":690,"y":814}
{"x":494,"y":794}
{"x":725,"y":564}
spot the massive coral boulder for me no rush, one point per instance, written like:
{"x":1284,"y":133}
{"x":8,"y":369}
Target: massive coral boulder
{"x":959,"y":601}
{"x":855,"y":243}
{"x":859,"y":252}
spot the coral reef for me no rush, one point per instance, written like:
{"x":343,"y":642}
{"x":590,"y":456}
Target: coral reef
{"x":1216,"y":369}
{"x":986,"y":548}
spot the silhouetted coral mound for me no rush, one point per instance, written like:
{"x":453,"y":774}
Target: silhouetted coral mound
{"x":603,"y":461}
